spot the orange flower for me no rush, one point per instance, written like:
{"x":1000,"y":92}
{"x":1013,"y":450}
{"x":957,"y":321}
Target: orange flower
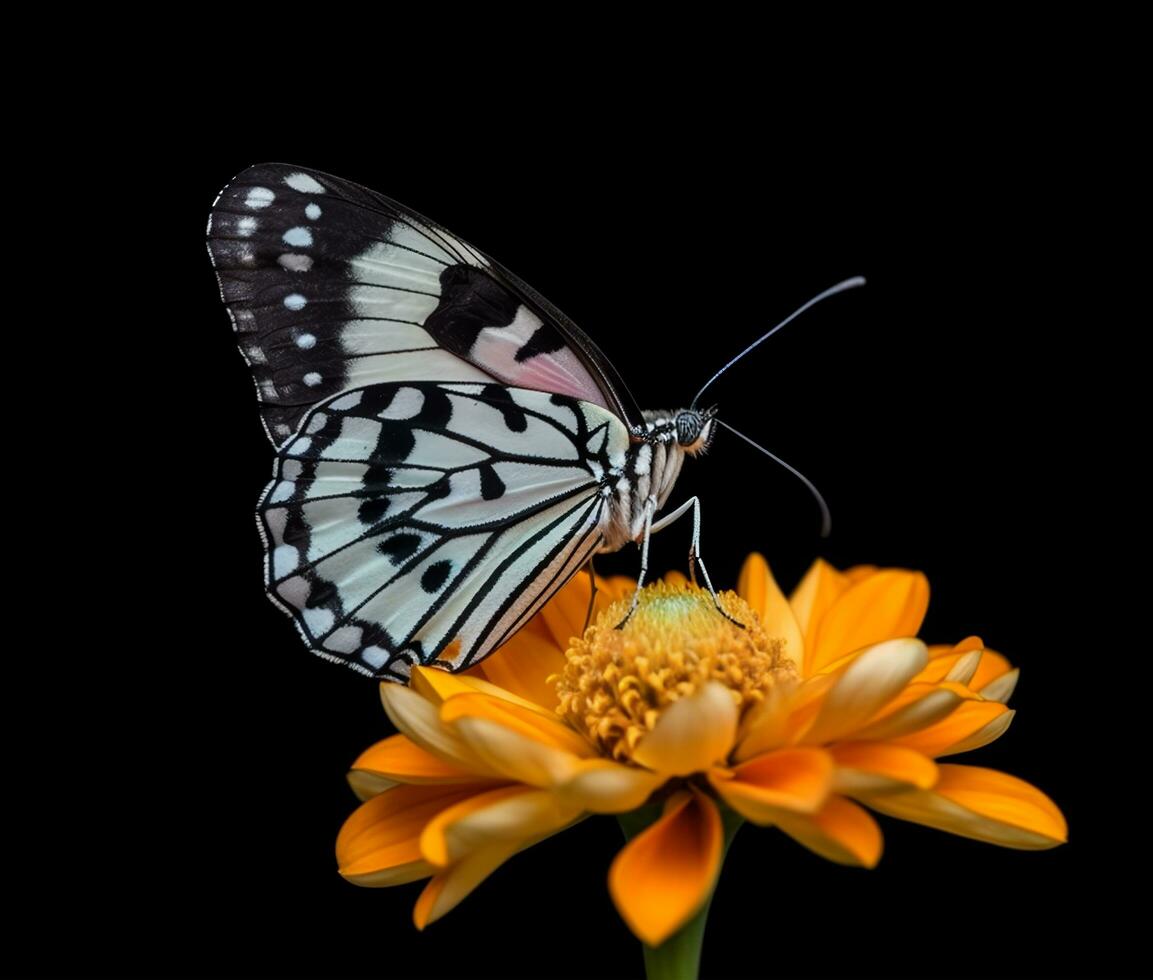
{"x":792,"y":716}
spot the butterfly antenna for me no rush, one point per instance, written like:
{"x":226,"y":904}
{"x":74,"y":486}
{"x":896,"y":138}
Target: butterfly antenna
{"x":826,"y":517}
{"x":832,"y":291}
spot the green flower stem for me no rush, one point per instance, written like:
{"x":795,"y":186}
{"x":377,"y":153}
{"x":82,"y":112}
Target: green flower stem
{"x":679,"y":956}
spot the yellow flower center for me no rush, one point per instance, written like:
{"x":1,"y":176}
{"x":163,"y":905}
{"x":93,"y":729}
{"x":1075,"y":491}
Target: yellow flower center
{"x":616,"y":682}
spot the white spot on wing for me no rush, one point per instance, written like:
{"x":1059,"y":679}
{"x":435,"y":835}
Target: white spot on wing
{"x":374,"y":656}
{"x":345,"y":640}
{"x":284,"y":560}
{"x":246,"y":226}
{"x":312,"y":211}
{"x":283,"y":491}
{"x":259,"y":197}
{"x":318,"y":620}
{"x":348,"y":402}
{"x":306,"y":341}
{"x":295,"y":263}
{"x":406,"y":403}
{"x":316,"y":423}
{"x":299,"y":237}
{"x":294,"y":301}
{"x":312,"y":379}
{"x":304,"y":183}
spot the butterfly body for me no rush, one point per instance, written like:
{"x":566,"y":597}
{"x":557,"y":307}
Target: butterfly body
{"x":450,"y":447}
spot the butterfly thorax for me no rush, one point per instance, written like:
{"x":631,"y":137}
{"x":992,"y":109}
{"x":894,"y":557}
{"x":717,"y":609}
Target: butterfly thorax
{"x":650,"y":470}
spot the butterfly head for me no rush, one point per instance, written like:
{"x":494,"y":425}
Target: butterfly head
{"x":695,"y":429}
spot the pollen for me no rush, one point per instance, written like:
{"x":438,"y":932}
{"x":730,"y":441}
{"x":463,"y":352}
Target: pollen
{"x":616,"y":682}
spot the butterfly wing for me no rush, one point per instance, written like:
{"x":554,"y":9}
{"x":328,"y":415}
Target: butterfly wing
{"x":424,"y":523}
{"x":442,"y":430}
{"x":332,"y":286}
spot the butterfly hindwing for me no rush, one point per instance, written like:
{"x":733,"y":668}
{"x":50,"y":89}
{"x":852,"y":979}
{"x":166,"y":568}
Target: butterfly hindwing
{"x":333,"y":287}
{"x":424,"y":522}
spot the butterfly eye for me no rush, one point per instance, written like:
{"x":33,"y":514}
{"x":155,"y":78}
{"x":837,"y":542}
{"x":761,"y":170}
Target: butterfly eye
{"x":689,"y":425}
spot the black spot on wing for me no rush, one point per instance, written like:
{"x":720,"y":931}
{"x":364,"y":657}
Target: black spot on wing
{"x":545,"y":340}
{"x":491,"y":485}
{"x":435,"y":576}
{"x":436,"y":410}
{"x":499,"y":398}
{"x":372,"y":510}
{"x":395,"y":444}
{"x":470,"y":300}
{"x":399,"y":547}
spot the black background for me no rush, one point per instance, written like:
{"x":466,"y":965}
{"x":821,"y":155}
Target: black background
{"x":964,"y":414}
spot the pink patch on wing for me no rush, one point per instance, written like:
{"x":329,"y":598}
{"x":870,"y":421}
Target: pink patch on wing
{"x":560,"y":371}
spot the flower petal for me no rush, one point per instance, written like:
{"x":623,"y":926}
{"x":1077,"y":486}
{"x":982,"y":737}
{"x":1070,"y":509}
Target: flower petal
{"x":983,"y":804}
{"x":973,"y":724}
{"x":666,"y":873}
{"x":759,"y":589}
{"x":437,"y":686}
{"x":478,"y":836}
{"x":509,"y":813}
{"x":841,"y":832}
{"x":523,"y":665}
{"x":399,"y":759}
{"x":420,"y":721}
{"x":517,"y":754}
{"x":565,"y":613}
{"x":877,"y":767}
{"x":796,"y":779}
{"x":542,"y":727}
{"x":691,"y":734}
{"x":867,"y":684}
{"x":916,"y":707}
{"x":604,"y":786}
{"x":819,"y":589}
{"x":452,"y":886}
{"x":379,"y":843}
{"x":883,"y":606}
{"x":1001,"y":688}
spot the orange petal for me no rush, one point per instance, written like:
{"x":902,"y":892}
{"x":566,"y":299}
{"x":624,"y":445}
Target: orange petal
{"x":918,"y":706}
{"x":878,"y":767}
{"x":883,"y":606}
{"x":604,"y":786}
{"x":508,"y":813}
{"x":565,"y":613}
{"x":759,"y":589}
{"x":543,"y":727}
{"x":841,"y":832}
{"x":667,"y":872}
{"x":691,"y":734}
{"x":401,"y":760}
{"x":865,"y":686}
{"x":419,"y":719}
{"x":449,"y":888}
{"x":973,"y":724}
{"x":819,"y":589}
{"x":478,"y":836}
{"x":516,"y":754}
{"x":983,"y":804}
{"x":437,"y":686}
{"x":523,"y":665}
{"x":795,"y":779}
{"x":379,"y":843}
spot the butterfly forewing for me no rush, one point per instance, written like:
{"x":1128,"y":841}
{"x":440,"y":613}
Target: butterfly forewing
{"x":332,"y":286}
{"x":443,"y":432}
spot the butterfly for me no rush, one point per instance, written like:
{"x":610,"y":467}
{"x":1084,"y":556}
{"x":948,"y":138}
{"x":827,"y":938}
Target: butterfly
{"x":450,"y":447}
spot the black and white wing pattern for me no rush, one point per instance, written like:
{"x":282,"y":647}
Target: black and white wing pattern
{"x":446,"y":439}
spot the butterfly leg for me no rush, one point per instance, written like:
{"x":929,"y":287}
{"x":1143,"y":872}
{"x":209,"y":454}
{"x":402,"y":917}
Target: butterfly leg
{"x":695,"y":558}
{"x":646,"y":533}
